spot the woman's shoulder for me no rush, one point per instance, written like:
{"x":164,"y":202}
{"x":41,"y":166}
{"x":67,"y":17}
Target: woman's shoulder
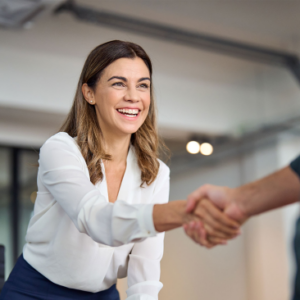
{"x":60,"y":140}
{"x":62,"y":137}
{"x":164,"y":170}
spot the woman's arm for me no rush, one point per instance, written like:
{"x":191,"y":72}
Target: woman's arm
{"x":144,"y":269}
{"x":144,"y":259}
{"x":63,"y":173}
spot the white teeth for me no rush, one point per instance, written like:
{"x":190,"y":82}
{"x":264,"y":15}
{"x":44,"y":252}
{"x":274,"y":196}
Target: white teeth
{"x":128,"y":111}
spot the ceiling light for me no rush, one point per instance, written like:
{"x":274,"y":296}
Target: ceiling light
{"x":206,"y":149}
{"x":193,"y":147}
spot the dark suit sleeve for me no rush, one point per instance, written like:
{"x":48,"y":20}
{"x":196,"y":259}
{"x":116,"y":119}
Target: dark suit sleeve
{"x":295,"y":165}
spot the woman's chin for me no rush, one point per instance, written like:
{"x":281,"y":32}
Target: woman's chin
{"x":129,"y":129}
{"x":125,"y":132}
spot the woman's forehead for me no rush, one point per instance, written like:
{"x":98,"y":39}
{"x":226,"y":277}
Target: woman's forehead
{"x":127,"y":67}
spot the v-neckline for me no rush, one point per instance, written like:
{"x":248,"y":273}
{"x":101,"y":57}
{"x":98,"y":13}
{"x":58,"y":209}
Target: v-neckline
{"x":123,"y":190}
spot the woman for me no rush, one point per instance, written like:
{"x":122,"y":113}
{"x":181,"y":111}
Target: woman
{"x":98,"y":181}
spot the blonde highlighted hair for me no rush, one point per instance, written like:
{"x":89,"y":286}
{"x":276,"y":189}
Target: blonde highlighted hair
{"x":82,"y":120}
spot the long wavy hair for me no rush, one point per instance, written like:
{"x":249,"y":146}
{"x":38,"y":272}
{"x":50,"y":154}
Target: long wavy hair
{"x":82,"y":120}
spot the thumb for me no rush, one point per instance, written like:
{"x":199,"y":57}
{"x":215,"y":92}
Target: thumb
{"x":219,"y":196}
{"x":195,"y":197}
{"x":190,"y":205}
{"x":233,"y":212}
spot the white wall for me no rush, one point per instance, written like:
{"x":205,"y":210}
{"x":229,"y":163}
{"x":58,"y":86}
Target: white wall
{"x":197,"y":91}
{"x":192,"y":272}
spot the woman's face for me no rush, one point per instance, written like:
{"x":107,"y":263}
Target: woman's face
{"x":122,"y":96}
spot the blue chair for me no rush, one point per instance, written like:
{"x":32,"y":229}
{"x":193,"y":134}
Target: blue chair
{"x":2,"y":267}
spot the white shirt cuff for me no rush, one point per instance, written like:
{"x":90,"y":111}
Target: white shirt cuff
{"x":146,"y":290}
{"x":145,"y":220}
{"x":140,"y":297}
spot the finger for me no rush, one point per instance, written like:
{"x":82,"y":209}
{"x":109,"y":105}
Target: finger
{"x":213,"y":227}
{"x":221,"y":231}
{"x":202,"y":232}
{"x":204,"y":237}
{"x":195,"y":196}
{"x":190,"y":230}
{"x":199,"y":234}
{"x":216,"y":241}
{"x":216,"y":233}
{"x":219,"y":215}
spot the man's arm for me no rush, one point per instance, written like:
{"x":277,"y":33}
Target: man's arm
{"x":276,"y":190}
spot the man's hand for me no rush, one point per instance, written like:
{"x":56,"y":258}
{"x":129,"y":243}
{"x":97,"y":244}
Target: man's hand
{"x":206,"y":217}
{"x":214,"y":224}
{"x":226,"y":200}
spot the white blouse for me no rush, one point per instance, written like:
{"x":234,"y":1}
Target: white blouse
{"x":78,"y":239}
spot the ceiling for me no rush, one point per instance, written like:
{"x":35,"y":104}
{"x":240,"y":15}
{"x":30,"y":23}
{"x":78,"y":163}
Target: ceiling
{"x":266,"y":22}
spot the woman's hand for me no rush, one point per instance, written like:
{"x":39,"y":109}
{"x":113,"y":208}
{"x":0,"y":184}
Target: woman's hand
{"x":215,"y":228}
{"x":205,"y":223}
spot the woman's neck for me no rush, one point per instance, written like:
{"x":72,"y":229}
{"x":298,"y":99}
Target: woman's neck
{"x":117,"y":148}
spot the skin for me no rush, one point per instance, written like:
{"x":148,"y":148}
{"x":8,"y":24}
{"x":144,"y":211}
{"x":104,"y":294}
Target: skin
{"x":126,"y":84}
{"x":276,"y":190}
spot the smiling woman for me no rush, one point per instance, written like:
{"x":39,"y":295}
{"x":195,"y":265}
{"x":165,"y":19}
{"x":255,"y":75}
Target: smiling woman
{"x":102,"y":195}
{"x":116,"y":76}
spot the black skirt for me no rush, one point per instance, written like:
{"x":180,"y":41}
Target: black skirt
{"x":25,"y":283}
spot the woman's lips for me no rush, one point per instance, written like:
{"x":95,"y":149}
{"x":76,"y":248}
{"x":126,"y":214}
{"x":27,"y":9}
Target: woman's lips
{"x":130,"y":117}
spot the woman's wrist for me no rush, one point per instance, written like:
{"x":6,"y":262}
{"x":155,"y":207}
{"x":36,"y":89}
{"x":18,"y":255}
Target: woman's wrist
{"x":170,"y":215}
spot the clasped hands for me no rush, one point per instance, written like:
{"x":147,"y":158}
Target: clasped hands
{"x":214,"y":215}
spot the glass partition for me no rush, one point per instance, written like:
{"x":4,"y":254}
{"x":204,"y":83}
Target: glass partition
{"x":28,"y":187}
{"x":18,"y":186}
{"x":5,"y":208}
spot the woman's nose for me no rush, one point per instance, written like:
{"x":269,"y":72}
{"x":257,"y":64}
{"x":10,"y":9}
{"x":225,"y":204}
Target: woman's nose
{"x":132,"y":95}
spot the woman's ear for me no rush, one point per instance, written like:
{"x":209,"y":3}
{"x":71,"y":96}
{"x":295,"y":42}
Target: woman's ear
{"x":88,"y":94}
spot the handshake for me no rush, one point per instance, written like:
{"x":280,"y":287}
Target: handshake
{"x":211,"y":215}
{"x":214,"y":215}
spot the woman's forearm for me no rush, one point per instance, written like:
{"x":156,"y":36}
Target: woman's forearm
{"x":170,"y":215}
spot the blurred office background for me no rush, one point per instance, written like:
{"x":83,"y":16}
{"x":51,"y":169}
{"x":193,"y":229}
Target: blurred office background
{"x":225,"y":73}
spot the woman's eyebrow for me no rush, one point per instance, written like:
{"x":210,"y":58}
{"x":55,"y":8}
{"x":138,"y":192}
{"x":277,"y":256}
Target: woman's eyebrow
{"x":144,"y":78}
{"x":125,"y":79}
{"x":118,"y":77}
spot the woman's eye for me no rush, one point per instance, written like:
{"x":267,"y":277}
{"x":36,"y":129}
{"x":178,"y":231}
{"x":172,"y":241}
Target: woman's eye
{"x":118,"y":84}
{"x":144,"y":85}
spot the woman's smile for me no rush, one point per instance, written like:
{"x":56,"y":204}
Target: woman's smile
{"x":130,"y":114}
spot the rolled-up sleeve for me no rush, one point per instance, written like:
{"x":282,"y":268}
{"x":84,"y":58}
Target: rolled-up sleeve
{"x":63,"y":173}
{"x":144,"y":260}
